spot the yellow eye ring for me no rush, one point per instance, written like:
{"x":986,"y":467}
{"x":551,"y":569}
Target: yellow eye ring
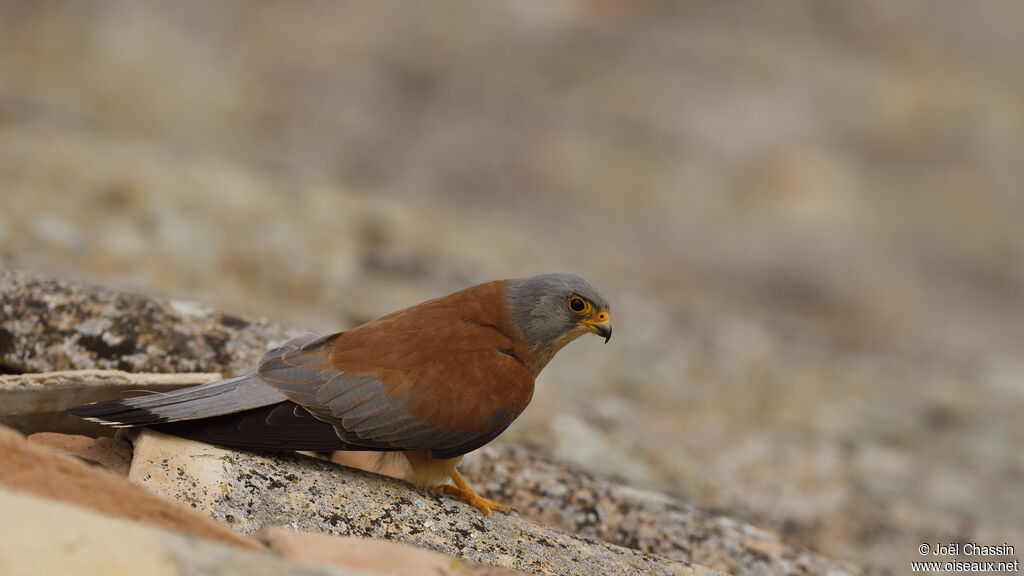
{"x":578,"y":305}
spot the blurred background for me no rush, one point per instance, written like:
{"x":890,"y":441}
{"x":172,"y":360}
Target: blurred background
{"x":808,"y":216}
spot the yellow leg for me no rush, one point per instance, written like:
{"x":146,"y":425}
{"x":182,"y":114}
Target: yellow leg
{"x":468,"y":495}
{"x":447,"y":489}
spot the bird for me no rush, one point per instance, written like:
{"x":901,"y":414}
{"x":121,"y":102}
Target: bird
{"x":426,"y":384}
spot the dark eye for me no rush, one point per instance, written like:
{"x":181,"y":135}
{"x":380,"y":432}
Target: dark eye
{"x":577,"y":305}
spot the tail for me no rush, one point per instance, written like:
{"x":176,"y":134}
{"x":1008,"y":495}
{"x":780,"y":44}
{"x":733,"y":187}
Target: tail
{"x":193,"y":403}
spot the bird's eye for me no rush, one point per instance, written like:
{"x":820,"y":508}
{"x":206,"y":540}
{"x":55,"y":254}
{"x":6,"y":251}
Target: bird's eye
{"x":579,"y":305}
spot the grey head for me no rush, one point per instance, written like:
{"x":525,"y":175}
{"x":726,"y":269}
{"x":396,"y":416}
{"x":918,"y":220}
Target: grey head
{"x":552,"y":310}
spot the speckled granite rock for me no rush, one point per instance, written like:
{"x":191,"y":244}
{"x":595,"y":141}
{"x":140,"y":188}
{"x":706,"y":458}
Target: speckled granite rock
{"x":48,"y":324}
{"x":248,"y":491}
{"x":560,"y":495}
{"x":38,"y":402}
{"x":57,"y":538}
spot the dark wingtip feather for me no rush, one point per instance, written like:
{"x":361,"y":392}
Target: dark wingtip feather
{"x":117,"y":413}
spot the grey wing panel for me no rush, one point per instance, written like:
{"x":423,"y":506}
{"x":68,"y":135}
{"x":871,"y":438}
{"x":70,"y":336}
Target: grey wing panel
{"x":284,"y":426}
{"x":365,"y":414}
{"x":205,"y":401}
{"x":471,"y":443}
{"x":299,"y":366}
{"x":301,"y":370}
{"x":356,"y":405}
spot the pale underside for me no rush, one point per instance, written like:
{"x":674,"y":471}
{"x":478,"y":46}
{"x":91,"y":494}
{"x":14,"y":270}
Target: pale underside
{"x":413,"y":466}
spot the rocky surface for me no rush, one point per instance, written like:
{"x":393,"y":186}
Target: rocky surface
{"x":249,"y":491}
{"x":32,"y":468}
{"x":568,"y":517}
{"x":556,"y":494}
{"x":48,"y":324}
{"x":55,"y":538}
{"x":38,"y":402}
{"x":114,"y":454}
{"x":377,"y":556}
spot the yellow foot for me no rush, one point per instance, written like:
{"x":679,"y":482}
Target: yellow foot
{"x":463,"y":491}
{"x":448,"y":489}
{"x":477,"y":501}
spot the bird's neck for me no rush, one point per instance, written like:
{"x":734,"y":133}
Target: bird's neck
{"x":486,"y":305}
{"x":544,"y":356}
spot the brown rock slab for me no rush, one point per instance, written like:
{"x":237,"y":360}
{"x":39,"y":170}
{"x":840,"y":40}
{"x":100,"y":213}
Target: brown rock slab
{"x":376,"y":556}
{"x":38,"y":402}
{"x":52,"y":537}
{"x":114,"y":454}
{"x":32,"y":468}
{"x":248,"y":491}
{"x":48,"y":324}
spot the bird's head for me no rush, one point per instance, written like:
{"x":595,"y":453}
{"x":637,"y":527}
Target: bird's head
{"x":552,"y":310}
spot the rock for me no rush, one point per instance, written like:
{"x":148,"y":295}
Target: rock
{"x":48,"y":324}
{"x":562,"y":496}
{"x":179,"y":335}
{"x":377,"y":556}
{"x":768,"y":548}
{"x":56,"y":538}
{"x":114,"y":454}
{"x":248,"y":491}
{"x":37,"y":402}
{"x":32,"y":468}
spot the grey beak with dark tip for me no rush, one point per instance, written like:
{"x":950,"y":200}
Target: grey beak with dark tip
{"x":604,"y":330}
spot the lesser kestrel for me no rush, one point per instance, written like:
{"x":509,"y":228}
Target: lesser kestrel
{"x":431,"y":382}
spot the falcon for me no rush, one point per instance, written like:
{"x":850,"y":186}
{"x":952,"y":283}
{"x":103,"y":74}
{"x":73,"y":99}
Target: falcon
{"x":427,"y":384}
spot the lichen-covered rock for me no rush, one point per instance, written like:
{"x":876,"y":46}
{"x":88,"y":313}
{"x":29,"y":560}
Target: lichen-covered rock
{"x":557,"y":494}
{"x":249,"y":491}
{"x":39,"y":402}
{"x":58,"y":538}
{"x":48,"y":324}
{"x":561,"y":495}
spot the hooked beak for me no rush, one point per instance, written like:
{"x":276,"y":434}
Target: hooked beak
{"x":600,"y":325}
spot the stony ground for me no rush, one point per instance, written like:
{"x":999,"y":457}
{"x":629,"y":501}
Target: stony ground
{"x":572,"y":522}
{"x":807,"y":218}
